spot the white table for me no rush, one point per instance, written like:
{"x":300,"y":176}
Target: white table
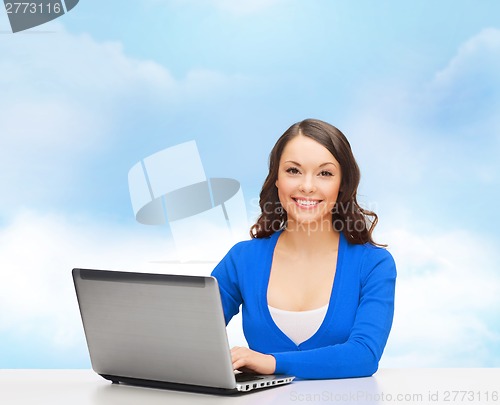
{"x":387,"y":386}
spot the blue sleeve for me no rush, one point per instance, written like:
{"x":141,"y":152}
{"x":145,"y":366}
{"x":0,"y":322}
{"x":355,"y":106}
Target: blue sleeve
{"x":360,"y":354}
{"x":227,"y":277}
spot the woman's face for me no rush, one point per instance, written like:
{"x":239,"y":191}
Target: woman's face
{"x":308,"y":182}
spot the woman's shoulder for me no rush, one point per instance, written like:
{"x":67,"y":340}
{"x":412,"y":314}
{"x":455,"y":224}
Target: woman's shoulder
{"x":247,"y":254}
{"x":252,"y":246}
{"x":371,"y":256}
{"x":368,"y":249}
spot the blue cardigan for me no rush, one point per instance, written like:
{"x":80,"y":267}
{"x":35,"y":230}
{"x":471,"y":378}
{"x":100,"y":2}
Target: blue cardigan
{"x":352,"y":337}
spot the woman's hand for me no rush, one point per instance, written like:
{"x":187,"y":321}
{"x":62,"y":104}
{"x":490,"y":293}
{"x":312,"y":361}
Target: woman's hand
{"x":248,"y":360}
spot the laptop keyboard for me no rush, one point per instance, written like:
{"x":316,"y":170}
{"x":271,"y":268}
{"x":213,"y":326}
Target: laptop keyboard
{"x":243,"y":377}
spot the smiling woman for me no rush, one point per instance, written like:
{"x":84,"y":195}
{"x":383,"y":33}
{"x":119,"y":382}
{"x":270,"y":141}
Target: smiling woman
{"x":319,"y":143}
{"x":317,"y":293}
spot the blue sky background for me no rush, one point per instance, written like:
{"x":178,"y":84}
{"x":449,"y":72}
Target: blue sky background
{"x":414,"y":86}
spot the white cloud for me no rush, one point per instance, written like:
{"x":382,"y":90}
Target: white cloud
{"x":478,"y":58}
{"x":465,"y":94}
{"x":438,"y":137}
{"x":67,"y":98}
{"x":435,"y":146}
{"x":446,"y":301}
{"x":57,"y":108}
{"x":37,"y":253}
{"x":63,"y":97}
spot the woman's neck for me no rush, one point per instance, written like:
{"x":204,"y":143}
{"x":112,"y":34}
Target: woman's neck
{"x":309,"y":240}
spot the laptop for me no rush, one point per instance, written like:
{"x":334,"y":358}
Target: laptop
{"x":160,"y":330}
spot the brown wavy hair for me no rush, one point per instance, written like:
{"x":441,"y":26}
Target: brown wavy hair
{"x":348,"y":217}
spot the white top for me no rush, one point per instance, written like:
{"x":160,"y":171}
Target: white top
{"x":298,"y":325}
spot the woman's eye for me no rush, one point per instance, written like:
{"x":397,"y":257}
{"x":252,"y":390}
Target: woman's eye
{"x":292,"y":170}
{"x":326,"y":173}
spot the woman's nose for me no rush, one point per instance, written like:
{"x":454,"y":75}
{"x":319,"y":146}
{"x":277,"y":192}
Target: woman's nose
{"x":307,"y":186}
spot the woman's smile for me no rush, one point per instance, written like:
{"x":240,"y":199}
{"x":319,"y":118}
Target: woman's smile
{"x":306,"y":203}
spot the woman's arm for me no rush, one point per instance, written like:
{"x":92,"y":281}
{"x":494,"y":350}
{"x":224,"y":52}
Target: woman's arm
{"x":227,"y":279}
